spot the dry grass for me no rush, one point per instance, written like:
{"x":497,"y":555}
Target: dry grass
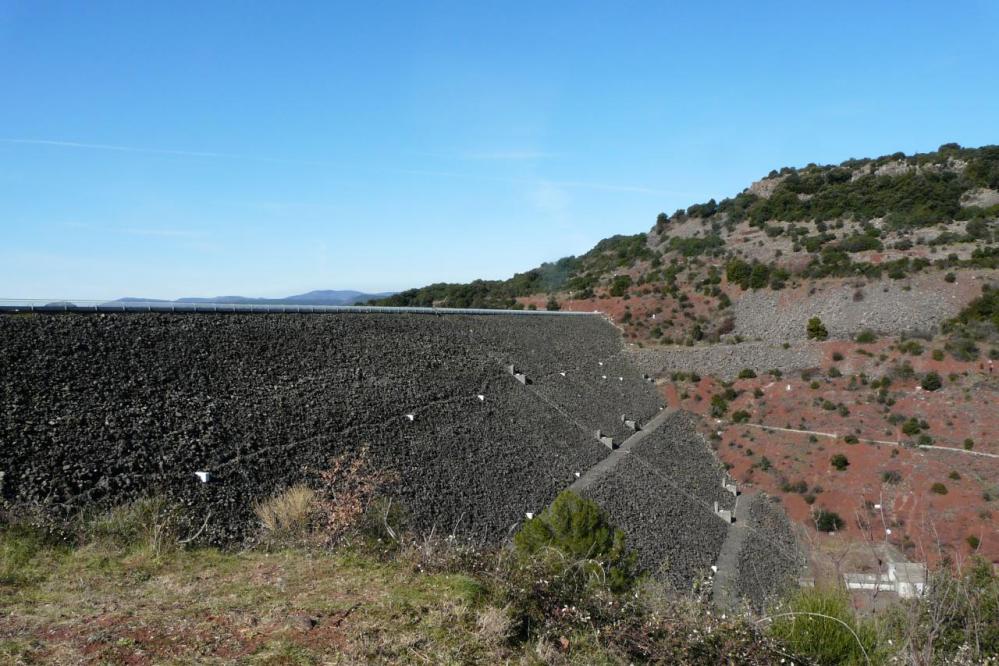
{"x":494,"y":625}
{"x":95,"y":605}
{"x":289,"y":512}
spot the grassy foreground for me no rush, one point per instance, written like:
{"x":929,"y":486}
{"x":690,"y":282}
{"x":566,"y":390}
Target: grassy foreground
{"x":107,"y":604}
{"x":292,"y":606}
{"x":129,"y":590}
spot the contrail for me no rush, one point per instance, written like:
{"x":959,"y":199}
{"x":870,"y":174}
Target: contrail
{"x":606,"y":187}
{"x":156,"y":151}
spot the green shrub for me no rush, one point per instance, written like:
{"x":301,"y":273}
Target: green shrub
{"x":938,"y":488}
{"x":579,"y":531}
{"x":982,"y":309}
{"x":719,"y":406}
{"x":820,"y":624}
{"x":866,"y":336}
{"x":620,"y":285}
{"x":911,"y":427}
{"x":931,"y":381}
{"x":839,"y":461}
{"x":20,"y":555}
{"x":859,"y":243}
{"x":149,"y":522}
{"x":828,"y":521}
{"x":741,"y":416}
{"x":891,"y":476}
{"x":962,"y":348}
{"x":816,"y":330}
{"x":747,"y":373}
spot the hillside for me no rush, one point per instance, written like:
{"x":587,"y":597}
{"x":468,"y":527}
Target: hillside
{"x":838,"y":325}
{"x":894,"y":217}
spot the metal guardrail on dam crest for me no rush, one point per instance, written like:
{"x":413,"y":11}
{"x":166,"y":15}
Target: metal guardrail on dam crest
{"x":67,"y":305}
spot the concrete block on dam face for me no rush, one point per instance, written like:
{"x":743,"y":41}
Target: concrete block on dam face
{"x":725,"y":514}
{"x":630,"y":424}
{"x":606,"y":441}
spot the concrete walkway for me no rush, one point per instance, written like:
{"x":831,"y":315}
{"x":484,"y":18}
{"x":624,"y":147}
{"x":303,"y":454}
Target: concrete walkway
{"x":607,"y":465}
{"x":723,"y":591}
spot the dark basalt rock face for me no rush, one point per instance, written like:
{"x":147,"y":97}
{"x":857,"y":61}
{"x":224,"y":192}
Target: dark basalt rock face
{"x":662,"y":495}
{"x":101,"y":409}
{"x":770,"y":560}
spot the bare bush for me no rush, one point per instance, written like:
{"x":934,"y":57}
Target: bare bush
{"x":344,"y":492}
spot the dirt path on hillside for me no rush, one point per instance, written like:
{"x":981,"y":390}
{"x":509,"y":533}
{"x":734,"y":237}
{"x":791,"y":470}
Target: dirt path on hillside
{"x":888,"y":442}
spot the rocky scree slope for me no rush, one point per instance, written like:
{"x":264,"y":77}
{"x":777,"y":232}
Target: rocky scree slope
{"x":100,"y":409}
{"x":770,"y":560}
{"x":671,"y":479}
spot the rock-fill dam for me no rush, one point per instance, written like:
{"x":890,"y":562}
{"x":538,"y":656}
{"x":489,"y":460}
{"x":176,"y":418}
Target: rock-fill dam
{"x":480,"y":419}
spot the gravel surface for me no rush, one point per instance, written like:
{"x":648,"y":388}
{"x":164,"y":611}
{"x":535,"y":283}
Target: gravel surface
{"x":770,"y":561}
{"x":724,"y":361}
{"x":662,"y":495}
{"x":884,"y":306}
{"x":100,"y":409}
{"x":603,"y":393}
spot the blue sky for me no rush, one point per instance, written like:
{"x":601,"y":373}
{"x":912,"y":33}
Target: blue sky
{"x":274,"y":148}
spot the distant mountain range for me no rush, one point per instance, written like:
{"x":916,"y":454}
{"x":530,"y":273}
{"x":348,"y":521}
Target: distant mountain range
{"x":320,"y":297}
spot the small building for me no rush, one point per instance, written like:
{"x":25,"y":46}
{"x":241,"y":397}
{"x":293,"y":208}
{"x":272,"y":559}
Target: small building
{"x":906,"y":579}
{"x":909,"y":578}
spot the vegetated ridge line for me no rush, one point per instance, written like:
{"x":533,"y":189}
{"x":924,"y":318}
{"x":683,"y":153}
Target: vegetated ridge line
{"x":866,"y":440}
